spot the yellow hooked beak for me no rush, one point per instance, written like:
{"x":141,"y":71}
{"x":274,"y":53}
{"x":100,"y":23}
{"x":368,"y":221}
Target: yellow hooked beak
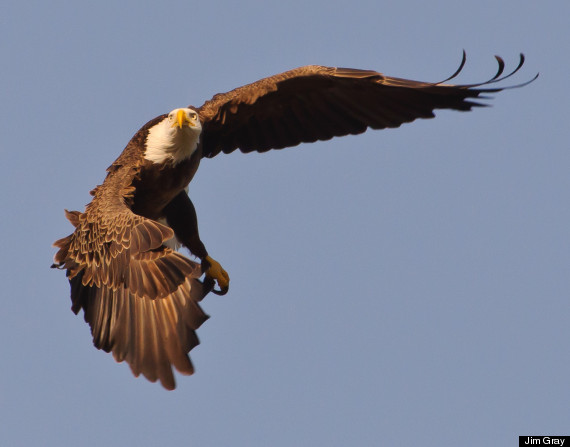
{"x":181,"y":118}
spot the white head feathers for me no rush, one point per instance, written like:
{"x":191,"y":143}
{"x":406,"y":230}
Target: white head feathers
{"x":174,"y":138}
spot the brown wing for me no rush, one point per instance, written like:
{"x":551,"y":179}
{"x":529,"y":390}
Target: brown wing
{"x":139,"y":297}
{"x":317,"y":103}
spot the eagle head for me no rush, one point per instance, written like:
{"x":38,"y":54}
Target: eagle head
{"x":174,"y":138}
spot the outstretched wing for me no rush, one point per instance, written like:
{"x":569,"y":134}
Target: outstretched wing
{"x":139,"y":297}
{"x":317,"y":103}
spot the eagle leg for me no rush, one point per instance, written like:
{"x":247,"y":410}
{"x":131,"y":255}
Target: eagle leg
{"x":181,"y":217}
{"x":215,"y":272}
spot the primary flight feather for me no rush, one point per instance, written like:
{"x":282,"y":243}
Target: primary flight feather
{"x":139,"y":295}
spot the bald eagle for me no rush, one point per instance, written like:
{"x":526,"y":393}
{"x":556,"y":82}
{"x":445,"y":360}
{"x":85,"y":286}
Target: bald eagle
{"x":141,"y":296}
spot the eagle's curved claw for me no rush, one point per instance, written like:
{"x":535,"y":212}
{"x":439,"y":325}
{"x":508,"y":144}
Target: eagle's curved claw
{"x":216,"y":273}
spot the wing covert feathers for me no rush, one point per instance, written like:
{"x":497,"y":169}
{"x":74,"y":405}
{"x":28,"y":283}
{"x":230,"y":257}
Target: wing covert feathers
{"x":314,"y":102}
{"x":140,"y":298}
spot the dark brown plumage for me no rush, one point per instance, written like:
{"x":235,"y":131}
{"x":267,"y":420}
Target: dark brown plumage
{"x":317,"y":103}
{"x":141,"y":297}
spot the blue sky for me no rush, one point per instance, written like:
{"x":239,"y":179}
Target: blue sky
{"x":394,"y":286}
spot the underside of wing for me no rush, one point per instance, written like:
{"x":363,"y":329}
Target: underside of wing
{"x":318,"y":103}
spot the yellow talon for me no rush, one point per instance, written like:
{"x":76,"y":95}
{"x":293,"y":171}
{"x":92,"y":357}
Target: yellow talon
{"x":217,"y":273}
